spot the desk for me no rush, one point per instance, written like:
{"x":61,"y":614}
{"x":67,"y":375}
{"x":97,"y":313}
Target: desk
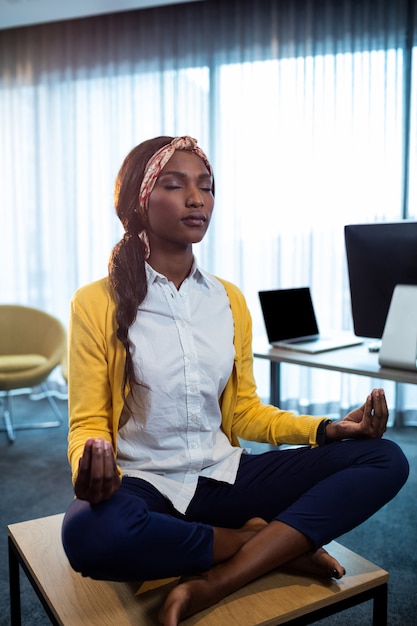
{"x":353,"y":360}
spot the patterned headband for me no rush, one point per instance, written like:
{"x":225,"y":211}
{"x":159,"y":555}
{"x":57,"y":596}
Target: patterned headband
{"x":160,"y":159}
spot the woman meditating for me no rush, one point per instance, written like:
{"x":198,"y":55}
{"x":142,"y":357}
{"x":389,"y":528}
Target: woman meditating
{"x":161,"y":389}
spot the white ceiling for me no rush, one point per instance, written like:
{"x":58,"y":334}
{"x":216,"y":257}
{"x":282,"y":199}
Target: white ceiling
{"x":25,"y":12}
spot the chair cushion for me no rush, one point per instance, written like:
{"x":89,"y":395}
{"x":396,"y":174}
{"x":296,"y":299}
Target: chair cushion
{"x":20,"y":362}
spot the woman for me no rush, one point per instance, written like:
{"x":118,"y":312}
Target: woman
{"x":160,"y":390}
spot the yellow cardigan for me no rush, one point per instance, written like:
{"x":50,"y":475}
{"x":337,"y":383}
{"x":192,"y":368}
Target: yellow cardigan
{"x":96,"y":365}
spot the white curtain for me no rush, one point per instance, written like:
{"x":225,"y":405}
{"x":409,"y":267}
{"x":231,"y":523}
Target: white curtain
{"x":301,"y":106}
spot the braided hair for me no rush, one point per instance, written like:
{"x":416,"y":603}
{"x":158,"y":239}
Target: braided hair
{"x":127,"y":260}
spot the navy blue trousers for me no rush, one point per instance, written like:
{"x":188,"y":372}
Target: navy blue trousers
{"x":322,"y":492}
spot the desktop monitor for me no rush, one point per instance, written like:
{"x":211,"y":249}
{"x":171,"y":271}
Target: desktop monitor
{"x":379,"y":257}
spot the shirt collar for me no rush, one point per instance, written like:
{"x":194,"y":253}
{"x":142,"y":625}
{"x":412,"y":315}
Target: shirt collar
{"x":197,"y":274}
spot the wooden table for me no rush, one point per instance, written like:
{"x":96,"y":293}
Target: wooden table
{"x":276,"y":598}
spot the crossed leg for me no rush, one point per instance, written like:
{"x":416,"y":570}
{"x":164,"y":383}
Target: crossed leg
{"x":369,"y":472}
{"x":275,"y":544}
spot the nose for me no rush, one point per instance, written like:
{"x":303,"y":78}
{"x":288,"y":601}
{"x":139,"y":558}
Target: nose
{"x":195,"y":198}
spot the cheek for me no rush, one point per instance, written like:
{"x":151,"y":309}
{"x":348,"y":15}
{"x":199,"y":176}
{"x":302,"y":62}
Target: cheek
{"x":210,"y":206}
{"x":160,"y":211}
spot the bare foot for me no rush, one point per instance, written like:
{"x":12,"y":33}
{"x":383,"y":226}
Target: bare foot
{"x":269,"y":546}
{"x":188,"y":597}
{"x":197,"y":593}
{"x":227,"y":541}
{"x":319,"y":563}
{"x":252,"y":527}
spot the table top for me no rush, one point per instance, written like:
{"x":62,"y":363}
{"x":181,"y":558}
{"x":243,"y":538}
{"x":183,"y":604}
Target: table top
{"x":352,"y":360}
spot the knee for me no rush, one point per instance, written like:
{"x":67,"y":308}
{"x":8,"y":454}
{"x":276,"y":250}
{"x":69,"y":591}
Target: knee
{"x":95,"y":539}
{"x":77,"y":536}
{"x":395,"y":461}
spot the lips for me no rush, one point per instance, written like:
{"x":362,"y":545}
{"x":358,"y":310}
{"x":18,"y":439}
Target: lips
{"x":195,"y":219}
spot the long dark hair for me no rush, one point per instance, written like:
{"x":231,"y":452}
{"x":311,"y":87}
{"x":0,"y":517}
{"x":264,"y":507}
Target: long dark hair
{"x":127,"y":260}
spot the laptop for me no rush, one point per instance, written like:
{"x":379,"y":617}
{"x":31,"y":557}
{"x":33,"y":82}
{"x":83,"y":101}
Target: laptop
{"x":291,"y":323}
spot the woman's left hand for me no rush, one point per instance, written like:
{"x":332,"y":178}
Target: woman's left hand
{"x":369,"y":421}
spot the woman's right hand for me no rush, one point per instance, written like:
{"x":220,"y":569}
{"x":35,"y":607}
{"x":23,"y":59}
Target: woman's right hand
{"x":98,"y":478}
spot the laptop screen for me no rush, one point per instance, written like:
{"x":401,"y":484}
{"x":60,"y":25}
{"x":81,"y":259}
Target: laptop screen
{"x":288,"y":313}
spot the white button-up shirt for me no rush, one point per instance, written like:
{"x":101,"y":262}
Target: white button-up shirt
{"x":170,"y":430}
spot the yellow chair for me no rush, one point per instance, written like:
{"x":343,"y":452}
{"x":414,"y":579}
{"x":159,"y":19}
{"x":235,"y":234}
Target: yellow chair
{"x":32,"y":344}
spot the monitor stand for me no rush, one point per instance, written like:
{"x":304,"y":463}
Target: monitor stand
{"x":399,"y":339}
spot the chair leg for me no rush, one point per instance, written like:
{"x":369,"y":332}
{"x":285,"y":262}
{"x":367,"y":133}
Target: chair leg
{"x":52,"y":402}
{"x":8,"y":418}
{"x":11,"y":427}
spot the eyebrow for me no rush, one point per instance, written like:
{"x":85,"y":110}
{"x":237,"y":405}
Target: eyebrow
{"x":183,"y":174}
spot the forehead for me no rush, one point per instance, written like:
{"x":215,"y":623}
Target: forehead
{"x":185,"y":161}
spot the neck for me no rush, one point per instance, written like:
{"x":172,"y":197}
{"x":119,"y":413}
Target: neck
{"x":175,"y":267}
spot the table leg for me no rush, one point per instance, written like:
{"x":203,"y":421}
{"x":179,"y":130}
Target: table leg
{"x":380,"y":609}
{"x":275,"y":383}
{"x":14,"y":582}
